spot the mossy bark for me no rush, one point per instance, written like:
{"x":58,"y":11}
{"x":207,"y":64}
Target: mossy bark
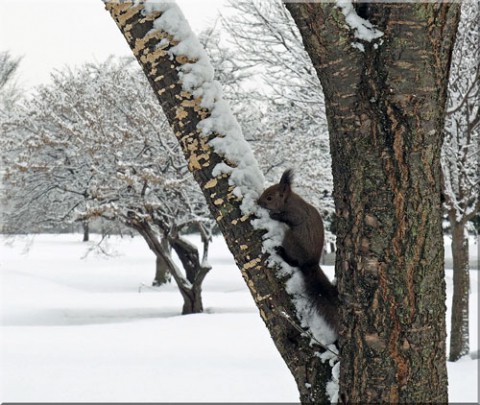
{"x":385,"y":110}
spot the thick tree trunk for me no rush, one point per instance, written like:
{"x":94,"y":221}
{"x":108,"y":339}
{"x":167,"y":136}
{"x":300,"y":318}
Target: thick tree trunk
{"x":183,"y":111}
{"x":459,"y":333}
{"x":385,"y":109}
{"x":192,"y":300}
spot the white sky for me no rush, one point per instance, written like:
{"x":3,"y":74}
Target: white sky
{"x":51,"y":34}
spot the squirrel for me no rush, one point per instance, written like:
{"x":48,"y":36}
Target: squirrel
{"x":302,"y":244}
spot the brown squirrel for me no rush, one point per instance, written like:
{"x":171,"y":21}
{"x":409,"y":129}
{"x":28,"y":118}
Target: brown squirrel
{"x":303,"y":243}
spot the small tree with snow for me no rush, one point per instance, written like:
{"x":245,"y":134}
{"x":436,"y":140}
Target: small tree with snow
{"x":9,"y":90}
{"x":95,"y":144}
{"x":9,"y":95}
{"x":461,"y":170}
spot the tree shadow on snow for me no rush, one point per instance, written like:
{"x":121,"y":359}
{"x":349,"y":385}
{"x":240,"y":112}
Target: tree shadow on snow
{"x":76,"y":317}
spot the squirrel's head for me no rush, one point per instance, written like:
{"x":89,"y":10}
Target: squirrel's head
{"x":275,"y":197}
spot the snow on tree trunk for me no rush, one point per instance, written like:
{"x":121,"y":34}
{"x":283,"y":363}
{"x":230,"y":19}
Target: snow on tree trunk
{"x":385,"y":97}
{"x":223,"y":165}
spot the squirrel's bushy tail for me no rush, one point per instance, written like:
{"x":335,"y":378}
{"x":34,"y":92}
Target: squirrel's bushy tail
{"x":322,"y":292}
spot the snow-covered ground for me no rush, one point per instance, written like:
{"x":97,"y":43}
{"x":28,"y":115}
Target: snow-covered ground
{"x":75,"y":328}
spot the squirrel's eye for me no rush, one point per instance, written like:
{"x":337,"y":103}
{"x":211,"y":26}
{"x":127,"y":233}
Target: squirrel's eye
{"x":269,"y":198}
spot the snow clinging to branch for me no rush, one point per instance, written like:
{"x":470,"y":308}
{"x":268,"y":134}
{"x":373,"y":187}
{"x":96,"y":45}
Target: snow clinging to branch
{"x":197,"y":78}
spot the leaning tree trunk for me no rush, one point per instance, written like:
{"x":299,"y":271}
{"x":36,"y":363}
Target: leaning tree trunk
{"x":459,"y":333}
{"x":191,"y":293}
{"x":385,"y":110}
{"x":150,"y":46}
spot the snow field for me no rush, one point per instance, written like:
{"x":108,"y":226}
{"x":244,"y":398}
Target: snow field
{"x":76,"y":328}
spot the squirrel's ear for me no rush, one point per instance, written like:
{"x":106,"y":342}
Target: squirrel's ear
{"x":286,"y":180}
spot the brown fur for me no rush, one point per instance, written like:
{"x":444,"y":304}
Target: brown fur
{"x":303,"y":243}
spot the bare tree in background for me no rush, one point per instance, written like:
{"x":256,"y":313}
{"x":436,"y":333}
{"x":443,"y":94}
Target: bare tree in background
{"x":95,"y":144}
{"x":9,"y":90}
{"x":461,"y":165}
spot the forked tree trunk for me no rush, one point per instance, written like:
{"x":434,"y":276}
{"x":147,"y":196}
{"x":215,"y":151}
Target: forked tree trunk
{"x":195,"y":272}
{"x":385,"y":110}
{"x":190,"y":287}
{"x":183,"y":112}
{"x":459,"y":334}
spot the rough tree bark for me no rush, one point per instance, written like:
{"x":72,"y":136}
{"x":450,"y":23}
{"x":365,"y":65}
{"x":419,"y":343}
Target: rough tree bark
{"x":183,"y":111}
{"x":385,"y":110}
{"x":459,"y":335}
